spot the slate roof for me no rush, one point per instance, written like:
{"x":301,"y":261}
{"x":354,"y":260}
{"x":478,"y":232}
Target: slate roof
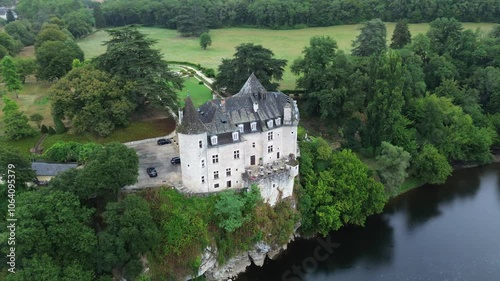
{"x":51,"y":169}
{"x":191,"y":124}
{"x":223,"y":116}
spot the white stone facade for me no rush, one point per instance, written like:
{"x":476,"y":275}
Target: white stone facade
{"x":257,"y":149}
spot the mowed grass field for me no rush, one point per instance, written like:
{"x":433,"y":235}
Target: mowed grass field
{"x":286,"y":44}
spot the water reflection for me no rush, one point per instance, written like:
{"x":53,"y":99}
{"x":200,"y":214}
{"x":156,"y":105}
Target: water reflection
{"x":447,"y":232}
{"x":424,"y":203}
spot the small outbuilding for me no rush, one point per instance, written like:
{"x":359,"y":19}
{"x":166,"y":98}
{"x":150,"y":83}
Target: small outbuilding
{"x":46,"y":171}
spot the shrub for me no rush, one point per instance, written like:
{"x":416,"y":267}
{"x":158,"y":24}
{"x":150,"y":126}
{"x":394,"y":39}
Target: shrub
{"x":60,"y":128}
{"x":200,"y":82}
{"x":209,"y":72}
{"x":44,"y":129}
{"x":51,"y":131}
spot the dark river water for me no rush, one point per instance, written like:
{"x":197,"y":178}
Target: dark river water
{"x":449,"y":232}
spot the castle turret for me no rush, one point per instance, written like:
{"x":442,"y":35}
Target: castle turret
{"x":192,"y":136}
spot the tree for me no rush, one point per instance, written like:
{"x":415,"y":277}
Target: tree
{"x":393,"y":161}
{"x":59,"y":125}
{"x":125,"y":221}
{"x":371,"y":40}
{"x":37,"y":118}
{"x":248,"y":59}
{"x":44,"y":129}
{"x":25,"y":67}
{"x":63,"y":152}
{"x":451,"y":131}
{"x":401,"y":35}
{"x":55,"y":58}
{"x":445,"y":35}
{"x":108,"y":170}
{"x":151,"y":77}
{"x":21,"y":30}
{"x":53,"y":223}
{"x":338,"y":188}
{"x":100,"y":21}
{"x":385,"y":119}
{"x":79,"y":22}
{"x":345,"y":193}
{"x":50,"y":32}
{"x":328,"y":77}
{"x":12,"y":46}
{"x":43,"y":267}
{"x":229,"y":211}
{"x":16,"y":123}
{"x":92,"y":100}
{"x":432,"y":166}
{"x":191,"y":19}
{"x":22,"y":166}
{"x":10,"y":16}
{"x":10,"y":75}
{"x":205,"y":40}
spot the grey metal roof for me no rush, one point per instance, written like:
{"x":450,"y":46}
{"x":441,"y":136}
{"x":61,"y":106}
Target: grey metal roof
{"x":51,"y":169}
{"x":223,"y":116}
{"x":191,"y":124}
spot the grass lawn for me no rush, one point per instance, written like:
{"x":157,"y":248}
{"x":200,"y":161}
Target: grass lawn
{"x":33,"y":98}
{"x":286,"y":44}
{"x":199,"y":93}
{"x":136,"y":131}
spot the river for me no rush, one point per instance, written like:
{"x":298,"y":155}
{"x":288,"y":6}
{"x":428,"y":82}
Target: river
{"x":449,"y":232}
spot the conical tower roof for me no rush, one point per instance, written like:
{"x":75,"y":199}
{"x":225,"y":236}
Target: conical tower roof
{"x":191,"y":124}
{"x":252,"y":87}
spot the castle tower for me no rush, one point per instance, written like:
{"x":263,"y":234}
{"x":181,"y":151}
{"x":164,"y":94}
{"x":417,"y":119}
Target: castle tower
{"x":192,"y":136}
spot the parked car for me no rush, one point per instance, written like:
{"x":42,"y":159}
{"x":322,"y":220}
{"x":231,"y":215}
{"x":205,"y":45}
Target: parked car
{"x":152,"y":172}
{"x":175,"y":160}
{"x":164,"y":141}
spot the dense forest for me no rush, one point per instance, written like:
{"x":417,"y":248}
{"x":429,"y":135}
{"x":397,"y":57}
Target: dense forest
{"x":291,"y":13}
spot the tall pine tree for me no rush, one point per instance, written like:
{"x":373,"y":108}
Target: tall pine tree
{"x":401,"y":35}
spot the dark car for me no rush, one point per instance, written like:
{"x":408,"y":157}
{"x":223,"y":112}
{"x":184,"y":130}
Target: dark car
{"x":164,"y":141}
{"x":175,"y":160}
{"x":152,"y":172}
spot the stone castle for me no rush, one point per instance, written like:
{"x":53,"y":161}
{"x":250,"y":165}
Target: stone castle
{"x":249,"y":138}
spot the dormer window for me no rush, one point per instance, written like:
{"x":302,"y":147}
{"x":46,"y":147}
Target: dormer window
{"x":253,"y":126}
{"x":236,"y":136}
{"x":240,"y":127}
{"x":278,"y":121}
{"x":270,"y":124}
{"x":213,"y":140}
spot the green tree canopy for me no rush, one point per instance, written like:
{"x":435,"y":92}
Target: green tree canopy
{"x":16,"y":123}
{"x":328,"y":77}
{"x":10,"y":75}
{"x":21,"y":30}
{"x":42,"y":267}
{"x":125,"y":221}
{"x":371,"y":40}
{"x":432,"y":166}
{"x":130,"y":57}
{"x":401,"y":35}
{"x":105,"y":172}
{"x":393,"y":162}
{"x":55,"y":58}
{"x":191,"y":18}
{"x":93,"y":100}
{"x":205,"y":40}
{"x":338,"y":188}
{"x":248,"y":59}
{"x":54,"y":223}
{"x":22,"y":165}
{"x":385,"y":119}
